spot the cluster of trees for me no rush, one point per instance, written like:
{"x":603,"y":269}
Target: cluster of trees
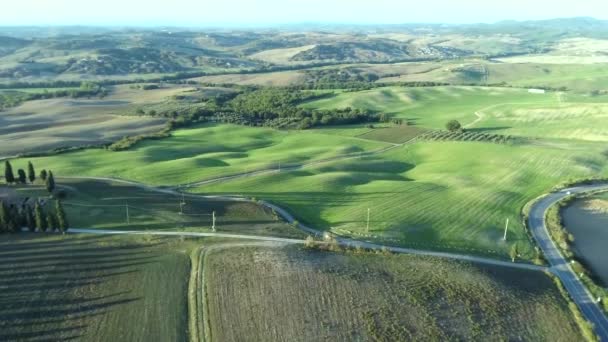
{"x":22,"y":178}
{"x":264,"y":106}
{"x":343,"y":75}
{"x":14,"y":217}
{"x":271,"y":107}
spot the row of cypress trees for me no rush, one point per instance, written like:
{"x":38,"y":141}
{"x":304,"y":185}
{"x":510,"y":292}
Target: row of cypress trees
{"x":23,"y":178}
{"x":35,"y":218}
{"x":13,"y":218}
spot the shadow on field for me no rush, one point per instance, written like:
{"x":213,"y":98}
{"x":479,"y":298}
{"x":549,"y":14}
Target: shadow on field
{"x":49,"y":288}
{"x":487,"y":129}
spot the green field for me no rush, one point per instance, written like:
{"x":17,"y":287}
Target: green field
{"x":93,"y":288}
{"x":432,"y":107}
{"x":527,"y":72}
{"x":290,"y":294}
{"x":495,"y":110}
{"x":574,"y":118}
{"x":209,"y":151}
{"x":436,"y":195}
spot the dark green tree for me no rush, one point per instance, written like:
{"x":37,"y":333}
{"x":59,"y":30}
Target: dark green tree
{"x":43,"y":175}
{"x":21,"y":176}
{"x":31,"y":173}
{"x":453,"y":126}
{"x":3,"y":217}
{"x":62,"y":220}
{"x":30,"y":222}
{"x":9,"y":176}
{"x":39,"y":218}
{"x":14,"y":220}
{"x":50,"y":183}
{"x":51,"y":223}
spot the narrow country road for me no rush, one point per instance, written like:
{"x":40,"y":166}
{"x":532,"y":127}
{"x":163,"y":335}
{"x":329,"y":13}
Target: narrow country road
{"x":342,"y":242}
{"x":559,"y":265}
{"x":289,"y":218}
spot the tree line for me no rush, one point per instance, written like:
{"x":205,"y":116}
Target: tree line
{"x":19,"y":213}
{"x":86,"y":89}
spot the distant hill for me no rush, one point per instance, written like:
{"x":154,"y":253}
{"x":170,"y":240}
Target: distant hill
{"x":28,"y":53}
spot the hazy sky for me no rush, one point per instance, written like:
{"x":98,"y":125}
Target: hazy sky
{"x":217,"y":12}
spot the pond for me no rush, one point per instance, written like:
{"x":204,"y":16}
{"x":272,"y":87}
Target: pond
{"x":587,"y":220}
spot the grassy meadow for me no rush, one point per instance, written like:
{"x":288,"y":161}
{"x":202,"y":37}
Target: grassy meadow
{"x":208,"y":151}
{"x":436,"y":195}
{"x":432,"y":107}
{"x":508,"y":111}
{"x":291,"y":294}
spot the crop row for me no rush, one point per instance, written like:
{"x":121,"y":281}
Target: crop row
{"x":467,"y":136}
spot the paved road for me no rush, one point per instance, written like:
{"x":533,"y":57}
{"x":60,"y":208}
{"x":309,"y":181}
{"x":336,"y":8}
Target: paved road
{"x":559,"y":265}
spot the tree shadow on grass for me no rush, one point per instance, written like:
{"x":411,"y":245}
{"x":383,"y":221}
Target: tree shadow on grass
{"x":487,"y":129}
{"x":50,"y":294}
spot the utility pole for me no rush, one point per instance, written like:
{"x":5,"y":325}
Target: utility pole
{"x":128,"y":219}
{"x":181,"y":205}
{"x":213,"y":221}
{"x":368,"y":212}
{"x":506,"y":230}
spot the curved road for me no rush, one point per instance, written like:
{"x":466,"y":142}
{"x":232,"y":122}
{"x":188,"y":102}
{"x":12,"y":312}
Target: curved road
{"x":289,"y":218}
{"x":559,"y":265}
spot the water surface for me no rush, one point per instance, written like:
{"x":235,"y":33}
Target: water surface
{"x":588,"y":222}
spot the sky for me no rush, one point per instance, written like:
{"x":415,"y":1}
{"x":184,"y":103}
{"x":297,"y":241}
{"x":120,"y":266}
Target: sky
{"x":202,"y":13}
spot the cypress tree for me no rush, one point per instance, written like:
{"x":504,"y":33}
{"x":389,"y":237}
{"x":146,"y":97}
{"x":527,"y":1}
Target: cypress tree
{"x":43,"y":175}
{"x":21,"y":176}
{"x":3,"y":217}
{"x":14,"y":224}
{"x":50,"y":183}
{"x":62,"y":221}
{"x":51,"y":222}
{"x":9,"y":176}
{"x":31,"y":173}
{"x":39,"y":218}
{"x":29,"y":219}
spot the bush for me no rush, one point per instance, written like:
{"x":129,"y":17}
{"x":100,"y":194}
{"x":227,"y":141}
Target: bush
{"x":310,"y":242}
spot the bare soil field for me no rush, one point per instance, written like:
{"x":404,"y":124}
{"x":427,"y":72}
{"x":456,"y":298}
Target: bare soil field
{"x":44,"y":125}
{"x":294,"y":294}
